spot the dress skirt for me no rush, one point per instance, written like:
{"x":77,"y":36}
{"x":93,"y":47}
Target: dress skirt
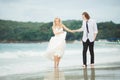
{"x":56,"y":46}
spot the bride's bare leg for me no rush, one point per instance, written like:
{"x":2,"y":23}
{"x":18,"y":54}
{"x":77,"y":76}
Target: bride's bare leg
{"x":58,"y":61}
{"x":55,"y":61}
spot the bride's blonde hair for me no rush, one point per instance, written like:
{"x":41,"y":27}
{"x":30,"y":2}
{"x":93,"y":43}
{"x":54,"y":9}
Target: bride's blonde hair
{"x":60,"y":22}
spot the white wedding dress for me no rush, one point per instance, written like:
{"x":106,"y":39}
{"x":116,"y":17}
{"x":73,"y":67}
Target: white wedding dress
{"x":56,"y":45}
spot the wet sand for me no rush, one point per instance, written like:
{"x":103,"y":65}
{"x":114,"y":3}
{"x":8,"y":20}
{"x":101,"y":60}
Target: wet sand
{"x":73,"y":73}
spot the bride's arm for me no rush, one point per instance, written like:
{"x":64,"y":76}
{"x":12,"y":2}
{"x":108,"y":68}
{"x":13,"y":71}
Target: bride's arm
{"x":67,"y":29}
{"x":78,"y":30}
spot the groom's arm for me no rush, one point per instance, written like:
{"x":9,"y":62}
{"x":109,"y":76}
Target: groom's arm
{"x":95,"y":34}
{"x":95,"y":30}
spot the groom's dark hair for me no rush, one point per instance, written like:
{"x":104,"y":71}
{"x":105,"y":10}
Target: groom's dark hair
{"x":86,"y":15}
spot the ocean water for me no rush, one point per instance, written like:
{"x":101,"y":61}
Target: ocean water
{"x":21,"y":58}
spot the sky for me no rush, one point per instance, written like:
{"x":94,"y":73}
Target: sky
{"x":47,"y":10}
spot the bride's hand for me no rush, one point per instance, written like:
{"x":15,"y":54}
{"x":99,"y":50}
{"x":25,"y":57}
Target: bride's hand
{"x":72,"y":31}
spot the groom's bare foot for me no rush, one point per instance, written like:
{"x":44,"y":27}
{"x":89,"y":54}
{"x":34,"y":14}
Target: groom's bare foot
{"x":92,"y":65}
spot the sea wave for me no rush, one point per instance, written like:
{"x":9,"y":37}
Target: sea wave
{"x":30,"y":53}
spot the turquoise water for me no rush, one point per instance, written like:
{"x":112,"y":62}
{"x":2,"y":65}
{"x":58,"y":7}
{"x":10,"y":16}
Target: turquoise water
{"x":19,"y":58}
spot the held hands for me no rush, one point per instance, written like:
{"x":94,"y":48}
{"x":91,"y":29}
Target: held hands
{"x":73,"y":31}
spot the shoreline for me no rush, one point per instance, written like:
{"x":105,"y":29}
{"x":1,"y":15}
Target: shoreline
{"x":74,"y":41}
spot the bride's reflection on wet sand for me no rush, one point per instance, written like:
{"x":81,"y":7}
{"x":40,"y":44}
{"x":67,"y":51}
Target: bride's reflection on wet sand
{"x":55,"y":75}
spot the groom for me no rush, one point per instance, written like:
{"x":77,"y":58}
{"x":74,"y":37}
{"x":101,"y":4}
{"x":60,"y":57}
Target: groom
{"x":89,"y":28}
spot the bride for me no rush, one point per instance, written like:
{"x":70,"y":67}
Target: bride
{"x":57,"y":43}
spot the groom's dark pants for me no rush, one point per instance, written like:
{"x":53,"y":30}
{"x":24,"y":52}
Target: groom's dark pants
{"x":91,"y":49}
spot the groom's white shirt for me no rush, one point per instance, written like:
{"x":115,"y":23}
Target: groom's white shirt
{"x":92,"y":27}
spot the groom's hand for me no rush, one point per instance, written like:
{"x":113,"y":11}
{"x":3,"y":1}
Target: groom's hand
{"x":74,"y":31}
